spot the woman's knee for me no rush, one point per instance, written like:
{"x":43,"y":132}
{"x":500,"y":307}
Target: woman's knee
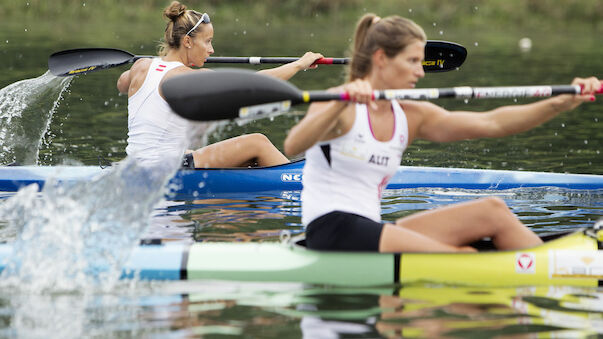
{"x":494,"y":204}
{"x":256,"y":140}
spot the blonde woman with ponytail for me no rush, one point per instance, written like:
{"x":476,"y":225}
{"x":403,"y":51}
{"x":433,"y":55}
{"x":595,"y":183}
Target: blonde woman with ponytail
{"x":353,"y":149}
{"x":155,"y":133}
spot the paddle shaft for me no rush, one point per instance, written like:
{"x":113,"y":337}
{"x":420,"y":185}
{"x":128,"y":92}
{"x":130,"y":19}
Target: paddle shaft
{"x":454,"y":92}
{"x":271,"y":60}
{"x":257,"y":60}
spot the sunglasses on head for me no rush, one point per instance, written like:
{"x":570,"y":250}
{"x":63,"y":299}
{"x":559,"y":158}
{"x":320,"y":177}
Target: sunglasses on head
{"x":203,"y":20}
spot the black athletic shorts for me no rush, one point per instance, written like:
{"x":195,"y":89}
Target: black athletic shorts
{"x":343,"y":231}
{"x":188,"y":162}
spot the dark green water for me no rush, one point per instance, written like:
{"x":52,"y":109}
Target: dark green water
{"x":89,"y":126}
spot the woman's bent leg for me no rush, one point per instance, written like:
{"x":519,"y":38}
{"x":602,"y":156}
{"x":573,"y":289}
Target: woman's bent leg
{"x":464,"y":223}
{"x":241,"y":151}
{"x":399,"y":239}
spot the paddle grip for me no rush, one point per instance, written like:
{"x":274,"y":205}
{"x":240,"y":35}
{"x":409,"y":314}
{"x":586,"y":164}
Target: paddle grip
{"x":345,"y":96}
{"x":331,"y":61}
{"x":600,"y":91}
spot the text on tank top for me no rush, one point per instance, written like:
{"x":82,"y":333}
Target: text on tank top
{"x":349,"y":173}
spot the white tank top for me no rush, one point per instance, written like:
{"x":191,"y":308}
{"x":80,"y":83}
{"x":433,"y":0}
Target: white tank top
{"x":156,"y":134}
{"x":348,"y":173}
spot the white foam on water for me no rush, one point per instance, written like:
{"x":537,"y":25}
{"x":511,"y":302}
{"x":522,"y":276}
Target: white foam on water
{"x":26,"y":110}
{"x":77,"y":237}
{"x":70,"y":241}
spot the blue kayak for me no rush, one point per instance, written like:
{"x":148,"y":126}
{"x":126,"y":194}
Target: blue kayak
{"x":287,"y":177}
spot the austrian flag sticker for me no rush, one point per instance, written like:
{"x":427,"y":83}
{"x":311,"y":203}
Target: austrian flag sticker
{"x":525,"y":262}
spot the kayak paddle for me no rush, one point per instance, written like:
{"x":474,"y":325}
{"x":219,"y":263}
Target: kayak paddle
{"x":230,"y":93}
{"x":440,"y":56}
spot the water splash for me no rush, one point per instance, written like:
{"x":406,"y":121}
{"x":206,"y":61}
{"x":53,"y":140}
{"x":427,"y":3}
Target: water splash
{"x":26,"y":109}
{"x":76,"y":237}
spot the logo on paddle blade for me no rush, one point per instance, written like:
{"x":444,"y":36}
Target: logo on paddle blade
{"x":86,"y":69}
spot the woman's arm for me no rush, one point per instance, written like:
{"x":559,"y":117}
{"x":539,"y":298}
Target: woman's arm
{"x":130,"y":80}
{"x":123,"y":83}
{"x":437,"y":124}
{"x":325,"y":120}
{"x":287,"y":71}
{"x":320,"y":120}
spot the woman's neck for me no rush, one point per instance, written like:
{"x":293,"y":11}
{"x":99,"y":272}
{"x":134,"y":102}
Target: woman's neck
{"x":176,"y":55}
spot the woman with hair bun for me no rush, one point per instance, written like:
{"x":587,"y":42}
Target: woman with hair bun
{"x":353,"y":149}
{"x":155,"y":133}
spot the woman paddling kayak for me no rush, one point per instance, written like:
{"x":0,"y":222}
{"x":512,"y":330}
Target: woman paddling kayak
{"x":155,"y":133}
{"x":352,"y":150}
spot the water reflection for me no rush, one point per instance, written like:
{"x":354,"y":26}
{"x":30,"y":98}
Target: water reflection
{"x":186,"y":309}
{"x":261,"y":217}
{"x":393,"y":312}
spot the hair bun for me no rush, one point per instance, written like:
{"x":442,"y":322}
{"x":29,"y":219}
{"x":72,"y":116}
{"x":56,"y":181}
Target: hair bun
{"x":174,"y":10}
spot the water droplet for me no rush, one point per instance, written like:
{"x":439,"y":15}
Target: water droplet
{"x":525,"y":44}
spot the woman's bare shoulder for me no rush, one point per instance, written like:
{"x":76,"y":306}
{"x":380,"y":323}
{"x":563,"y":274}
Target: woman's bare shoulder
{"x":141,"y":64}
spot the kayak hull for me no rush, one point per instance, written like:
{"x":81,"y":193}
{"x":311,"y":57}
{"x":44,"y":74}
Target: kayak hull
{"x":573,"y":259}
{"x":288,"y":178}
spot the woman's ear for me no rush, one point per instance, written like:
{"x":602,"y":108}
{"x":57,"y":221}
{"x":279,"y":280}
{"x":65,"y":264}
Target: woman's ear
{"x":188,"y":41}
{"x":379,"y":58}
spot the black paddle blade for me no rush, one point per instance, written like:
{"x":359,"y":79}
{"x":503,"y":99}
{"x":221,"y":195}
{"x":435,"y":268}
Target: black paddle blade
{"x":206,"y":96}
{"x":443,"y":56}
{"x":84,"y":60}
